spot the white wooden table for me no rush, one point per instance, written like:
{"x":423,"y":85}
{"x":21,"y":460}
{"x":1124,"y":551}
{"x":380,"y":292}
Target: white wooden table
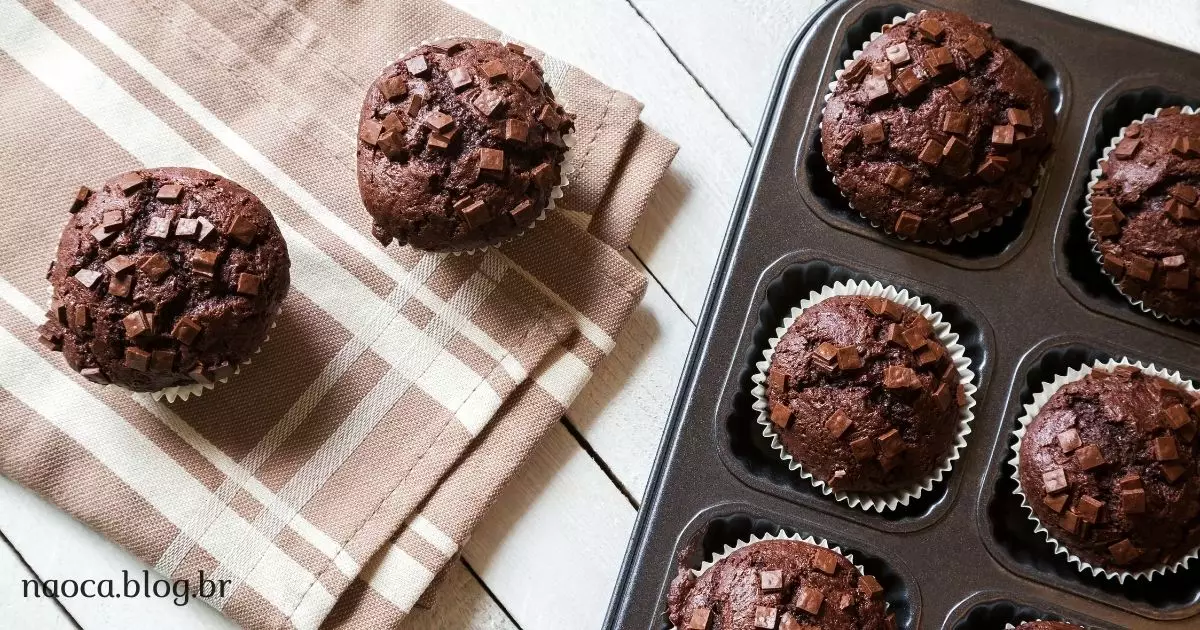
{"x":556,"y":538}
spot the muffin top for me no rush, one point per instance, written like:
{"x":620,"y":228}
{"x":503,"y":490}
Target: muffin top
{"x":1109,"y":466}
{"x":1145,"y":214}
{"x":1048,"y":625}
{"x":460,"y":145}
{"x":938,"y":129}
{"x":784,"y":584}
{"x":863,"y":394}
{"x":163,"y":277}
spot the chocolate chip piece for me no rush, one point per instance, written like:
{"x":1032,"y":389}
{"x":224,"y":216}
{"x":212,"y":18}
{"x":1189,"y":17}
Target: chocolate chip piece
{"x":838,"y":423}
{"x":1003,"y":135}
{"x":81,"y":198}
{"x":112,"y":220}
{"x":88,"y":277}
{"x":170,"y":193}
{"x":1055,"y":480}
{"x":1069,"y":440}
{"x":1180,"y":145}
{"x":863,"y":449}
{"x":130,"y":183}
{"x":394,"y":88}
{"x":475,"y":214}
{"x":1069,"y":522}
{"x":961,"y":90}
{"x":1133,"y":501}
{"x":201,"y":375}
{"x":931,"y":154}
{"x":155,"y":267}
{"x":186,"y":330}
{"x":540,"y":175}
{"x":975,"y":48}
{"x":414,"y":105}
{"x":1124,"y":552}
{"x":825,"y":561}
{"x":770,"y":581}
{"x":827,"y":352}
{"x":393,"y":146}
{"x":765,"y":617}
{"x":530,"y":79}
{"x":1126,"y":148}
{"x":907,"y":224}
{"x":79,"y":317}
{"x":525,"y":211}
{"x":120,"y":286}
{"x":1019,"y":118}
{"x":809,"y":600}
{"x":1139,"y":268}
{"x":491,"y":161}
{"x":848,"y":358}
{"x":206,"y":229}
{"x":1184,"y":194}
{"x":898,"y":178}
{"x":931,"y":29}
{"x":1165,"y":449}
{"x":158,"y":227}
{"x":908,"y":82}
{"x":1089,"y":457}
{"x":1175,"y":417}
{"x":57,"y":312}
{"x":870,"y":587}
{"x":94,"y":375}
{"x":955,"y":149}
{"x":369,"y":132}
{"x":900,"y":377}
{"x":437,"y":120}
{"x":417,"y":65}
{"x":119,"y":264}
{"x":1105,"y":226}
{"x":1173,"y":472}
{"x":891,"y":444}
{"x":856,"y":71}
{"x":939,"y":59}
{"x":204,"y":262}
{"x":243,"y":230}
{"x":875,"y":88}
{"x":247,"y":284}
{"x":137,"y":359}
{"x":898,"y":54}
{"x":1088,"y":509}
{"x":516,"y":131}
{"x":701,"y":619}
{"x":781,"y":415}
{"x":494,"y":70}
{"x":460,"y":78}
{"x":873,"y":132}
{"x":1055,"y":503}
{"x":992,"y":169}
{"x":162,"y":360}
{"x":1178,"y":280}
{"x":136,"y":324}
{"x":488,"y":102}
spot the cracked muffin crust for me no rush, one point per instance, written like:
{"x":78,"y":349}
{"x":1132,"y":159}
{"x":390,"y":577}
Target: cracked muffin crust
{"x":937,"y":130}
{"x":164,"y":277}
{"x":459,"y":146}
{"x":1109,"y":467}
{"x":864,"y":395}
{"x":1146,"y":213}
{"x":783,"y":584}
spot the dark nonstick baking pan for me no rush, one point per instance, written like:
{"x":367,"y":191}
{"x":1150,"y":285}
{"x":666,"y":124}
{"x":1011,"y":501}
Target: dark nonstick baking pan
{"x":1028,"y":299}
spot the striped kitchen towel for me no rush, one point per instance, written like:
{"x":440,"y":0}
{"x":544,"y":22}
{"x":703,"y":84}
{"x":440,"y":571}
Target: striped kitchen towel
{"x":334,"y":478}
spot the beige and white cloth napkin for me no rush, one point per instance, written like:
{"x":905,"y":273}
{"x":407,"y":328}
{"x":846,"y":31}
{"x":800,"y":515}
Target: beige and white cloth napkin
{"x":334,"y":478}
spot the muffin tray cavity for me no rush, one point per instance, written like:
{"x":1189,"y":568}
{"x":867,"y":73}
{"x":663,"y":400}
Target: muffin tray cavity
{"x":1027,"y":298}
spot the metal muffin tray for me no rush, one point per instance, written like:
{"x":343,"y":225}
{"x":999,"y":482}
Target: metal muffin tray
{"x":1028,"y":298}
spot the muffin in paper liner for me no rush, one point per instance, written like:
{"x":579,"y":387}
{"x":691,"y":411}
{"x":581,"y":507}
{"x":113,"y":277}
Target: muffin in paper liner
{"x":837,"y":75}
{"x":1094,"y":178}
{"x":1031,"y":412}
{"x":183,"y":392}
{"x":566,"y":165}
{"x":781,"y":535}
{"x":956,"y":352}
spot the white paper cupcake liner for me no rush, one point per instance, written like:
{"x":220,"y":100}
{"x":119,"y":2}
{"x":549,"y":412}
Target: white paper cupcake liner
{"x":1087,"y":213}
{"x":1031,"y":412}
{"x":566,"y":165}
{"x":837,"y":75}
{"x":956,"y":352}
{"x":182,"y":392}
{"x":781,"y":535}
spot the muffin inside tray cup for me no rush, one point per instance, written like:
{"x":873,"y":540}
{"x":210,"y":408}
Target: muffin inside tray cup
{"x":750,"y":454}
{"x":989,"y":248}
{"x":711,"y":530}
{"x":1011,"y":532}
{"x":996,"y":611}
{"x":1076,"y":262}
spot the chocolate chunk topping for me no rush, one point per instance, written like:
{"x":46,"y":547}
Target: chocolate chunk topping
{"x":170,"y":193}
{"x":247,"y":284}
{"x":417,"y":65}
{"x":961,"y":89}
{"x":130,"y":182}
{"x":393,"y":88}
{"x":88,"y":277}
{"x":837,"y":425}
{"x":81,"y":199}
{"x":243,"y":230}
{"x":873,"y":132}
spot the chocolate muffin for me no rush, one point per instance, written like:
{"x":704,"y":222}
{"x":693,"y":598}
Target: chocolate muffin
{"x":165,"y":277}
{"x":1048,"y":625}
{"x":937,"y":130}
{"x":1145,"y":215}
{"x":1109,"y":467}
{"x":459,"y":146}
{"x":863,"y":395}
{"x":784,"y":584}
